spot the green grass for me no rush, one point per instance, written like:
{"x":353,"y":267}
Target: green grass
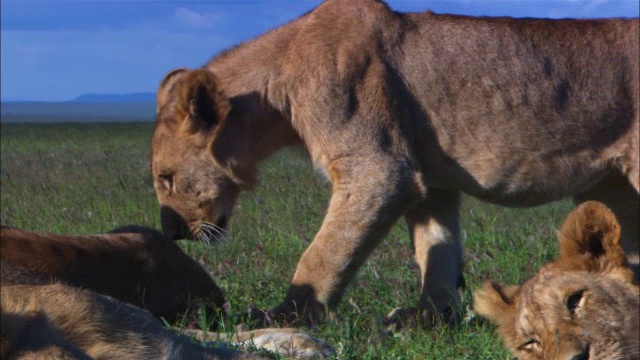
{"x":88,"y":178}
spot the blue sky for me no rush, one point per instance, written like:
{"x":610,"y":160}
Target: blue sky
{"x":54,"y":50}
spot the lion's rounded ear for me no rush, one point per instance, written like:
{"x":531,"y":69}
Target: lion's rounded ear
{"x":495,"y":302}
{"x":498,"y":305}
{"x":166,"y":85}
{"x":201,"y":102}
{"x":592,"y":230}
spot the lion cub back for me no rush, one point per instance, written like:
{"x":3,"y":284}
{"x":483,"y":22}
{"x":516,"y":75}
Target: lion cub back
{"x":134,"y":264}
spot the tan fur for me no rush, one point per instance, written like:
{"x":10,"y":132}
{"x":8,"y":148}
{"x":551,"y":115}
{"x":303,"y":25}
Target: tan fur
{"x":87,"y":325}
{"x":44,"y":317}
{"x":404,"y":112}
{"x":584,"y":305}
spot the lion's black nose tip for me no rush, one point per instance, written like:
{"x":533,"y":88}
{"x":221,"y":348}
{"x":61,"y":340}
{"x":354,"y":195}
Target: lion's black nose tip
{"x":221,"y":222}
{"x":583,"y":356}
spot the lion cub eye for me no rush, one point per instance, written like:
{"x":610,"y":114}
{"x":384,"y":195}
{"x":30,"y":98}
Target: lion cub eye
{"x":167,"y":181}
{"x":530,"y":345}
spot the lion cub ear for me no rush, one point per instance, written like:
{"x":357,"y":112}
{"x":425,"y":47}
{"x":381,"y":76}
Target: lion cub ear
{"x":495,"y":302}
{"x":498,"y":305}
{"x":592,"y":232}
{"x":166,"y":85}
{"x":201,"y":103}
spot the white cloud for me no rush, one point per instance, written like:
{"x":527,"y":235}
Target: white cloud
{"x":196,"y":19}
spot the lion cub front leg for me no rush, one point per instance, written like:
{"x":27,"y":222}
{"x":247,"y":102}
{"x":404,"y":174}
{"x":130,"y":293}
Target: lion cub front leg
{"x":360,"y":214}
{"x":435,"y":232}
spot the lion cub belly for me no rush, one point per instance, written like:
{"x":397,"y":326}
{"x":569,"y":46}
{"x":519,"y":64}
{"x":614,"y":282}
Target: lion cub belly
{"x":519,"y":181}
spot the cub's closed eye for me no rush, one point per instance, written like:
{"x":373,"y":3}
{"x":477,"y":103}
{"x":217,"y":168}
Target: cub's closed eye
{"x":529,"y":345}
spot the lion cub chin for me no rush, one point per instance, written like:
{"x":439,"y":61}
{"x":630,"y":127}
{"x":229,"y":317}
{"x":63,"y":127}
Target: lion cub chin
{"x":582,"y":306}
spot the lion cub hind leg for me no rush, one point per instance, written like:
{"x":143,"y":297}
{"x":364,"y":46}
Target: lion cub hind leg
{"x":27,"y":334}
{"x":435,"y":232}
{"x":287,"y":342}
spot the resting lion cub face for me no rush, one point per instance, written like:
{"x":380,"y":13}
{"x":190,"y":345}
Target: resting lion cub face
{"x":582,"y":306}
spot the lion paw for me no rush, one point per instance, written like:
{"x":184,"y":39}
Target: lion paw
{"x":288,"y":342}
{"x":284,"y":316}
{"x":401,"y":318}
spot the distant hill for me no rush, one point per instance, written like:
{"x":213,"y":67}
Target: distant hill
{"x":19,"y":111}
{"x":84,"y":108}
{"x":141,"y":97}
{"x":5,"y":99}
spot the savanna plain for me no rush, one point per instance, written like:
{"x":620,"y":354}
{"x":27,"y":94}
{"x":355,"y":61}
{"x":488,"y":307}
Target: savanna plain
{"x":91,"y":178}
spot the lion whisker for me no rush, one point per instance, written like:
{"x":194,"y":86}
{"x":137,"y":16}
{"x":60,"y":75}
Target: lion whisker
{"x":216,"y":226}
{"x":210,"y":232}
{"x":203,"y":236}
{"x":221,"y":229}
{"x":631,"y":347}
{"x":209,"y":235}
{"x":217,"y":229}
{"x":211,"y":229}
{"x":217,"y":232}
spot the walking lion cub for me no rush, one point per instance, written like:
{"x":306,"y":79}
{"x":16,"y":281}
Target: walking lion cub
{"x":582,"y":306}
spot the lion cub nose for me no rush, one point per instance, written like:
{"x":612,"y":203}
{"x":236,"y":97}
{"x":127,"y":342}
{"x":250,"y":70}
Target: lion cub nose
{"x":583,"y":356}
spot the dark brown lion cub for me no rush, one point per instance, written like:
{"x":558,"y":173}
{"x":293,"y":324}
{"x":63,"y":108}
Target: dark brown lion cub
{"x":133,"y":264}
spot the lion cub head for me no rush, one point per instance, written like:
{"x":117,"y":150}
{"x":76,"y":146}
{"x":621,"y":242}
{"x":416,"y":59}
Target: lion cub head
{"x":196,"y":182}
{"x":582,"y":306}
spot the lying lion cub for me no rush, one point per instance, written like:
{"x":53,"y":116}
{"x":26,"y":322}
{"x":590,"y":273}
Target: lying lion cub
{"x":133,"y":264}
{"x":62,"y":322}
{"x":584,"y":305}
{"x":54,"y":304}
